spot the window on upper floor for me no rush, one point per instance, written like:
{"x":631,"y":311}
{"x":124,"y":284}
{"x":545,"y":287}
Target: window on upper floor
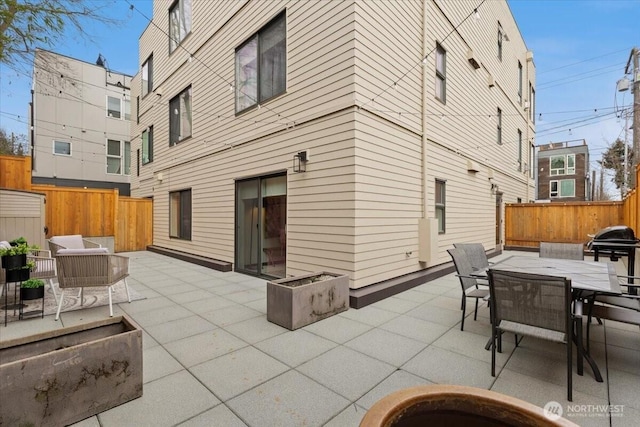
{"x":180,"y":214}
{"x":147,"y":76}
{"x":532,"y":103}
{"x":563,"y":164}
{"x":441,"y":73}
{"x":520,"y":166}
{"x":180,"y":117}
{"x":532,"y":155}
{"x":118,"y":107}
{"x":62,"y":148}
{"x":118,"y":157}
{"x":147,"y":145}
{"x":261,"y":65}
{"x":500,"y":41}
{"x":179,"y":23}
{"x":440,"y":205}
{"x":499,"y":126}
{"x":562,"y":188}
{"x":138,"y":110}
{"x":519,"y":82}
{"x":114,"y":107}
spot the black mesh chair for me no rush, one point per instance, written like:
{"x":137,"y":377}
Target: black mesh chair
{"x":537,"y":306}
{"x":476,"y":254}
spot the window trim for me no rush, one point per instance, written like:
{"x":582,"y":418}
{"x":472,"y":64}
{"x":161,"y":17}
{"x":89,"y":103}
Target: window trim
{"x":179,"y":41}
{"x":62,"y":154}
{"x":499,"y":126}
{"x":120,"y":111}
{"x":557,"y":193}
{"x":122,"y":157}
{"x":180,"y":139}
{"x":257,"y":37}
{"x":520,"y":166}
{"x":441,"y":75}
{"x":182,"y":208}
{"x":500,"y":41}
{"x":149,"y":85}
{"x":520,"y":82}
{"x":441,"y":186}
{"x":565,"y":170}
{"x":149,"y":132}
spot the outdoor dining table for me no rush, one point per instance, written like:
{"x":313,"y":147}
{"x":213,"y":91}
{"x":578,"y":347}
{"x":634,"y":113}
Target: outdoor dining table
{"x":586,"y":277}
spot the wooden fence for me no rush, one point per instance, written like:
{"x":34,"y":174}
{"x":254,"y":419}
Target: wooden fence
{"x":90,"y":212}
{"x":528,"y":224}
{"x":15,"y":172}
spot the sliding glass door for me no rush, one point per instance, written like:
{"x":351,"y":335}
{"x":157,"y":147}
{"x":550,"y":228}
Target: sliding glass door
{"x":261,"y":219}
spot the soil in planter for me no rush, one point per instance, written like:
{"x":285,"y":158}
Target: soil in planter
{"x":308,"y":280}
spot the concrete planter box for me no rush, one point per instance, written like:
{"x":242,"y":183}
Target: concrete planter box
{"x":63,"y":376}
{"x":295,"y":302}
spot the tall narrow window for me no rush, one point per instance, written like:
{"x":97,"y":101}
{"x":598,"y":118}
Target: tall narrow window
{"x":440,"y":205}
{"x":499,"y":126}
{"x":126,"y":106}
{"x":500,"y":40}
{"x":532,"y":155}
{"x":147,"y":145}
{"x":180,"y":214}
{"x":519,"y":83}
{"x":532,"y":100}
{"x":261,"y":65}
{"x":180,"y":117}
{"x":114,"y":157}
{"x":179,"y":23}
{"x":441,"y":73}
{"x":114,"y":108}
{"x":147,"y":76}
{"x":138,"y":162}
{"x":138,"y":109}
{"x":520,"y":150}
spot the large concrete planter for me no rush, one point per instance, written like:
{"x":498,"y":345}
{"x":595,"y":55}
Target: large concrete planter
{"x":456,"y":406}
{"x":295,"y":302}
{"x":63,"y":376}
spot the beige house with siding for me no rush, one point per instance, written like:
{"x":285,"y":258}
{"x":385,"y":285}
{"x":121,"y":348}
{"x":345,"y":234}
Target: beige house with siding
{"x":415,"y":118}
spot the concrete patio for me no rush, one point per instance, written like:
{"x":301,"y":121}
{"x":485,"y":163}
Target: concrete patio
{"x":212,"y":359}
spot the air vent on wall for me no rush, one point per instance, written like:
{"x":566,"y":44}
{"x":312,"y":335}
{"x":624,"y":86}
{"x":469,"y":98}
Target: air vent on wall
{"x":472,"y":59}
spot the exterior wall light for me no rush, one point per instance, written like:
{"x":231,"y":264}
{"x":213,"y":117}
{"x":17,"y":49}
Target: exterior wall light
{"x":300,"y":161}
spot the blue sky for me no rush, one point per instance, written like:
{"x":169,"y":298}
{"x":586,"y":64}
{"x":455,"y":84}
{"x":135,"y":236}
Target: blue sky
{"x":580,"y":51}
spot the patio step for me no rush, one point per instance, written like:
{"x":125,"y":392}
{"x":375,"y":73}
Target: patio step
{"x":204,"y":261}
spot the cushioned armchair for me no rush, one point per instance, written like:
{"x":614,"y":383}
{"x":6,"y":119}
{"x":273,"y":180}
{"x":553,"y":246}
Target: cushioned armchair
{"x":86,"y":268}
{"x":72,"y":241}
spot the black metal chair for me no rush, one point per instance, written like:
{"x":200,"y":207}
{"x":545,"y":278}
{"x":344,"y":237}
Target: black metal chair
{"x":476,"y":254}
{"x":537,"y":306}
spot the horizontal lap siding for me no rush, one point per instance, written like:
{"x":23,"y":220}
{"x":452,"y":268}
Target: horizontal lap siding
{"x":465,"y":128}
{"x":388,"y":154}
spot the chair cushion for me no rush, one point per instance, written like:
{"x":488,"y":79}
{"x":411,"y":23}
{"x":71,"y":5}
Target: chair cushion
{"x":4,"y":244}
{"x":73,"y":241}
{"x":82,"y":251}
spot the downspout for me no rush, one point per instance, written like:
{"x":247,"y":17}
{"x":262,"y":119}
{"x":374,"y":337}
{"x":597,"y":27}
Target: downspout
{"x":423,"y":111}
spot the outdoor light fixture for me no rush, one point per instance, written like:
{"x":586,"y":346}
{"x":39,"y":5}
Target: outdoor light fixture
{"x":300,"y":161}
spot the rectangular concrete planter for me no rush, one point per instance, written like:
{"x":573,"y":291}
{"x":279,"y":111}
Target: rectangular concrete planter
{"x":63,"y":376}
{"x":295,"y":302}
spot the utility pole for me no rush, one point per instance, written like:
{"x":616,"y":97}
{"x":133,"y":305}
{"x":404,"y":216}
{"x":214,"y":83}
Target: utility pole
{"x":635,"y":81}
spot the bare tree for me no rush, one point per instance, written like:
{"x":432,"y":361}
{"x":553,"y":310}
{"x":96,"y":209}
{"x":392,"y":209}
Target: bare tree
{"x":613,"y":159}
{"x":12,"y":144}
{"x":28,"y":24}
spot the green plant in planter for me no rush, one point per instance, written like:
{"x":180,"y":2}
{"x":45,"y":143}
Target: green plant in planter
{"x":20,"y":249}
{"x":32,"y":284}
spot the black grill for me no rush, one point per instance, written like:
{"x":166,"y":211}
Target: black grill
{"x":616,"y":241}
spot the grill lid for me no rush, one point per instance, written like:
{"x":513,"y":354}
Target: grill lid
{"x":620,"y":233}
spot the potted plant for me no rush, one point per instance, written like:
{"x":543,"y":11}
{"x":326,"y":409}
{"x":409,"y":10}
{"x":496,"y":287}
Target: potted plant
{"x":15,"y":258}
{"x":32,"y":289}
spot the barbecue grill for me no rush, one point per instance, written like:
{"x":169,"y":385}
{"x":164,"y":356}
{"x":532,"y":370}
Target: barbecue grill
{"x":616,"y":241}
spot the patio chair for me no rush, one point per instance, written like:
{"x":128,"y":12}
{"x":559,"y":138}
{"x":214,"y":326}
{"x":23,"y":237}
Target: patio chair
{"x":45,"y":268}
{"x":562,"y":250}
{"x":623,"y":308}
{"x":72,"y":241}
{"x":90,"y":268}
{"x":468,"y":283}
{"x":537,"y":306}
{"x":476,"y":254}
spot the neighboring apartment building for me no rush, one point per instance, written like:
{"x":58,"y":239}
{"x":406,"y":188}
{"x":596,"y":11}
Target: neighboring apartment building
{"x":360,"y":137}
{"x":563,"y":171}
{"x":80,"y":124}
